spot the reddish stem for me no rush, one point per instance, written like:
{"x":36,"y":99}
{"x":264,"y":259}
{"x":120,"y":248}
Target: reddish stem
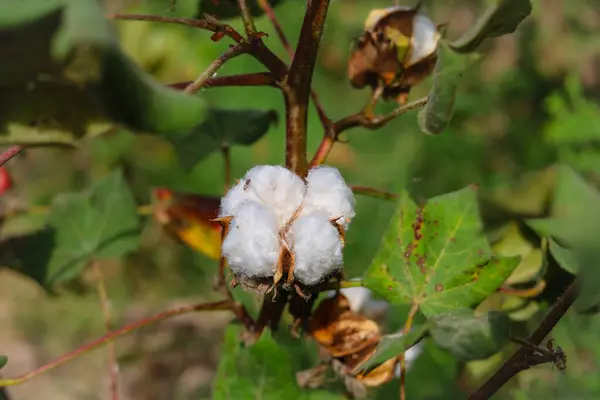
{"x":256,"y":79}
{"x":10,"y":153}
{"x":109,"y":337}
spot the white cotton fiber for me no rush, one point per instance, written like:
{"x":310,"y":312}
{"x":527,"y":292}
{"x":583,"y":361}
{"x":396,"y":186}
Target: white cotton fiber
{"x":252,"y":246}
{"x":234,"y":197}
{"x":317,"y":248}
{"x":327,"y":191}
{"x":277,"y":188}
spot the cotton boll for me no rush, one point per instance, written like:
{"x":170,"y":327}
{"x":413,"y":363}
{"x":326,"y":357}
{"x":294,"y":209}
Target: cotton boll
{"x":252,"y":246}
{"x":327,"y":191}
{"x":317,"y":248}
{"x":278,"y":188}
{"x":234,"y":197}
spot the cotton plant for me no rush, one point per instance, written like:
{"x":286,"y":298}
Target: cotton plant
{"x":278,"y":225}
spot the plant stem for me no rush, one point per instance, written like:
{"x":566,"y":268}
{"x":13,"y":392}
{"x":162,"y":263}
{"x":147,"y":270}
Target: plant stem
{"x":407,"y":326}
{"x":254,"y":79}
{"x":520,"y":361}
{"x":112,"y":354}
{"x":364,"y":119}
{"x":266,"y":6}
{"x":372,"y":192}
{"x":525,"y":293}
{"x":10,"y":153}
{"x":213,"y":26}
{"x":298,"y":84}
{"x":109,"y":337}
{"x":233,"y":51}
{"x":258,"y":49}
{"x":247,"y":18}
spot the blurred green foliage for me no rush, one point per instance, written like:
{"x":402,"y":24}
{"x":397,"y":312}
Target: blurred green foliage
{"x":531,"y":102}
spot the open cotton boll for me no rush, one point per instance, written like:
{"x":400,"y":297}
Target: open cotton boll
{"x":424,"y":40}
{"x":252,"y":246}
{"x":327,"y":191}
{"x":234,"y":197}
{"x":278,"y":188}
{"x":316,"y":246}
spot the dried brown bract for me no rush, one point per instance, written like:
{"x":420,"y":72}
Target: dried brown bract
{"x":347,"y":339}
{"x":397,"y":50}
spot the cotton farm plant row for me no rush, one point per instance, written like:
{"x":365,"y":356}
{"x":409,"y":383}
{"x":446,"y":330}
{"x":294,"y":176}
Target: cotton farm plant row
{"x":445,"y":277}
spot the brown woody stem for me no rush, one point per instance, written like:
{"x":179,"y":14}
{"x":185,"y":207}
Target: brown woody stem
{"x":364,"y":119}
{"x":298,"y":82}
{"x":523,"y":359}
{"x":109,"y":337}
{"x":266,"y":6}
{"x":255,"y":79}
{"x":212,"y":26}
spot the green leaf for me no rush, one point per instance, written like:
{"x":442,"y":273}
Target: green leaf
{"x":99,"y":224}
{"x":3,"y":361}
{"x":222,"y":129}
{"x":501,"y":18}
{"x":437,"y":256}
{"x":226,"y":9}
{"x":393,"y":345}
{"x":261,"y":371}
{"x":449,"y":68}
{"x":68,"y":78}
{"x":565,"y":258}
{"x":468,"y":336}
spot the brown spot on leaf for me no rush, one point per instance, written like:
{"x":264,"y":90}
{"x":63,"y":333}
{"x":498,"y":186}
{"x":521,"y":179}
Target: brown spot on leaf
{"x":439,"y":287}
{"x":390,"y":288}
{"x":421,"y":264}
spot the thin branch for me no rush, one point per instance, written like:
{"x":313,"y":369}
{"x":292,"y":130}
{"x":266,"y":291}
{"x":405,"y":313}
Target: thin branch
{"x":375,"y":122}
{"x":112,"y":354}
{"x":247,"y":18}
{"x":266,"y":6}
{"x":10,"y":153}
{"x":298,"y":84}
{"x":372,"y":192}
{"x":254,"y":79}
{"x":258,"y":50}
{"x":213,"y":26}
{"x":523,"y":358}
{"x":216,"y":306}
{"x":407,"y":327}
{"x":233,"y":51}
{"x":364,"y":119}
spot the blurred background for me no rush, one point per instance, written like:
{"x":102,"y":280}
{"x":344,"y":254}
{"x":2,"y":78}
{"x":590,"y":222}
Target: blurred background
{"x":531,"y":102}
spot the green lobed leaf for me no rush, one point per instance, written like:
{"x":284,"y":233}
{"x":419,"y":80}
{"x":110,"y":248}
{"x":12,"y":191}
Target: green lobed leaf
{"x":68,"y":78}
{"x":261,"y":371}
{"x":575,"y":222}
{"x":501,"y":18}
{"x":226,"y":9}
{"x":437,"y":256}
{"x":393,"y":345}
{"x":222,"y":128}
{"x":468,"y":336}
{"x":450,"y":66}
{"x":3,"y":361}
{"x":99,"y":224}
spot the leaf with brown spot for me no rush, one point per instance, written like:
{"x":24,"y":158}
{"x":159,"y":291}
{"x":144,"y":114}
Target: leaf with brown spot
{"x":465,"y":275}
